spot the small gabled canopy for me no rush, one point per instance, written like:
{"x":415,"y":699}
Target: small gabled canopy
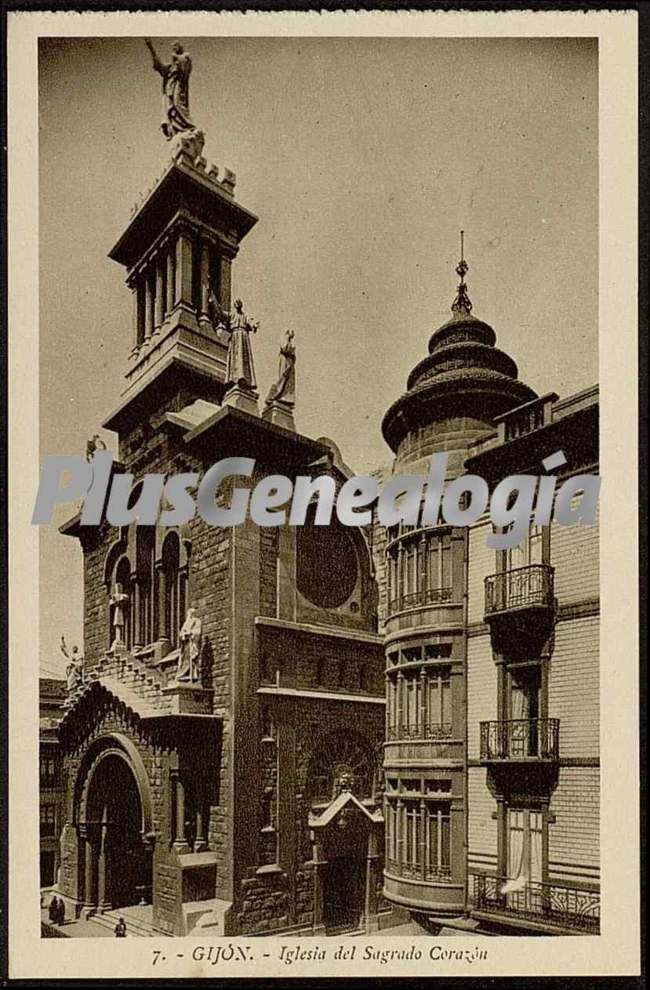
{"x":336,"y":807}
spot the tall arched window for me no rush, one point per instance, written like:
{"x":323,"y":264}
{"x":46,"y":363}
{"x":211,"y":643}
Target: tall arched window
{"x":143,"y":603}
{"x":173,"y":591}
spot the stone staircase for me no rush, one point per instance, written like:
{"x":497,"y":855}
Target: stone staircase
{"x":137,"y":675}
{"x":138,"y":920}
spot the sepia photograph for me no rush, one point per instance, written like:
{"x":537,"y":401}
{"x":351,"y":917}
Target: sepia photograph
{"x":319,"y":553}
{"x":319,"y":729}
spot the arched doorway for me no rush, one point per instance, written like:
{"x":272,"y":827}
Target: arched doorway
{"x":117,"y":856}
{"x":345,"y":846}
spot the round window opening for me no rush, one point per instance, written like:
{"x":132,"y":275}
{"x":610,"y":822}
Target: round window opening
{"x":326,"y":565}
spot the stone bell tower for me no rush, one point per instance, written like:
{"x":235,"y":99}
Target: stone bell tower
{"x":178,"y":249}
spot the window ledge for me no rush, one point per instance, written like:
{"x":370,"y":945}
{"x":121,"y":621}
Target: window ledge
{"x":268,"y":870}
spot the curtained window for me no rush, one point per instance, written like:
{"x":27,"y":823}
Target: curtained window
{"x":525,"y":844}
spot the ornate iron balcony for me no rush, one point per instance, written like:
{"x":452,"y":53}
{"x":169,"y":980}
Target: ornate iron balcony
{"x":413,"y":871}
{"x":523,"y":587}
{"x":430,"y":596}
{"x":553,"y":904}
{"x":428,"y":730}
{"x":520,"y":739}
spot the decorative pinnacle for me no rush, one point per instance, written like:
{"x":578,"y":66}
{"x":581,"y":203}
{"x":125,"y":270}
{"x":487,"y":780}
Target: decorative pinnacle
{"x":462,"y":303}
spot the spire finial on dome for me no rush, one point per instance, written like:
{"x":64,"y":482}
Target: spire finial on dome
{"x":462,"y":303}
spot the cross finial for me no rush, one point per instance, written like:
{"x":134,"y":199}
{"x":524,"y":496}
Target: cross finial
{"x":462,"y":303}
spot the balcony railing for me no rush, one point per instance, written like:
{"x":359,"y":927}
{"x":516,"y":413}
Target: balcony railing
{"x":523,"y":587}
{"x":413,"y":871}
{"x":553,"y":904}
{"x":520,"y":739}
{"x":428,"y":730}
{"x":430,"y":596}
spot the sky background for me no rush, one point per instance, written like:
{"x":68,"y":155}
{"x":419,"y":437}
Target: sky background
{"x":363,"y":158}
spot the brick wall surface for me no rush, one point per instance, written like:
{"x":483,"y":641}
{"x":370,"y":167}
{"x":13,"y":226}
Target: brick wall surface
{"x":574,"y":555}
{"x":574,"y":837}
{"x":573,"y":691}
{"x":482,"y":827}
{"x":481,"y":690}
{"x":482,"y":561}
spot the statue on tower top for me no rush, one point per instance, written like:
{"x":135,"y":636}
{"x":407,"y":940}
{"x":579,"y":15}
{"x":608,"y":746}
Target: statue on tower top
{"x":176,"y":99}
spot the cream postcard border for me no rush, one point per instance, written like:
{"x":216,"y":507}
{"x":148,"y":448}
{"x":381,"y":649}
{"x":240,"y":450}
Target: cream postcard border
{"x":616,"y":950}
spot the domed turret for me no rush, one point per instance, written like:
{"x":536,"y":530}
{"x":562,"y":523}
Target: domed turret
{"x":456,"y":391}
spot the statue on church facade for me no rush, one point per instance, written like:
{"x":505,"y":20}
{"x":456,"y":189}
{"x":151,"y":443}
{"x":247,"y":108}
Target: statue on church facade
{"x":118,"y":601}
{"x":176,"y":89}
{"x":240,"y":370}
{"x":95,"y":443}
{"x":190,"y":647}
{"x":177,"y":121}
{"x":284,"y":389}
{"x":74,"y":671}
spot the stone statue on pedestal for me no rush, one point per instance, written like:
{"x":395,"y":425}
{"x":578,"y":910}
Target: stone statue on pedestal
{"x":190,"y":651}
{"x":74,"y":671}
{"x":118,"y":600}
{"x":240,"y":370}
{"x":285,"y":387}
{"x":176,"y":99}
{"x":95,"y":443}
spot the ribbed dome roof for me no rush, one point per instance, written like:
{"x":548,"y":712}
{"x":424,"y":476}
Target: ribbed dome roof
{"x":463,"y":374}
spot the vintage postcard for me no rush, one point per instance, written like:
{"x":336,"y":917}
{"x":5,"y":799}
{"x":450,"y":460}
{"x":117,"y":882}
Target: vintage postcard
{"x":323,"y":541}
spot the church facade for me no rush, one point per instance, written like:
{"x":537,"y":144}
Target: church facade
{"x":240,"y":791}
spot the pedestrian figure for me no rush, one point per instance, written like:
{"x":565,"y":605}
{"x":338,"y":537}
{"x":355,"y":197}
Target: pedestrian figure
{"x":53,"y":911}
{"x":61,"y":912}
{"x":120,"y":929}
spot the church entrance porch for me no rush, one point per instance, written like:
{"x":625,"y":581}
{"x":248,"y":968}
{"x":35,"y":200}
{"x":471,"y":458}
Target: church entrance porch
{"x":117,"y":861}
{"x":111,"y":834}
{"x":346,"y":843}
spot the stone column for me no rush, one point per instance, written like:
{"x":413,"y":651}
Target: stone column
{"x":204,"y":316}
{"x":400,"y":704}
{"x":90,"y":870}
{"x":421,"y":565}
{"x":423,"y":702}
{"x":180,"y":842}
{"x":160,"y":294}
{"x":318,"y":924}
{"x":170,"y":285}
{"x":103,"y":900}
{"x":138,"y":329}
{"x":148,"y":306}
{"x":224,"y":282}
{"x":201,"y":840}
{"x":163,"y":632}
{"x":371,"y":923}
{"x":134,"y":612}
{"x":400,"y":576}
{"x":423,"y":838}
{"x":183,"y":292}
{"x":399,"y":833}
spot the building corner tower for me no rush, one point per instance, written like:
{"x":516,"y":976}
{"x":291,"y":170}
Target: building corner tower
{"x":453,"y":396}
